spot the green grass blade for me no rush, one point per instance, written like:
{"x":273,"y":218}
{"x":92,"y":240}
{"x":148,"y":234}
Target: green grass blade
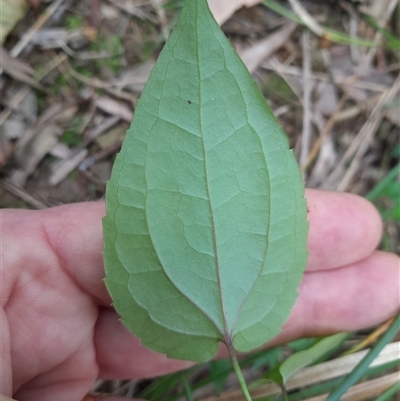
{"x":327,"y":386}
{"x":359,"y":370}
{"x":379,"y":188}
{"x":393,"y":42}
{"x":163,"y":385}
{"x":331,"y":34}
{"x":188,"y":390}
{"x":389,"y":393}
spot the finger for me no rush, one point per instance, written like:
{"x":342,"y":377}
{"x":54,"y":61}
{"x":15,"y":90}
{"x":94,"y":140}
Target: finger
{"x":72,"y":377}
{"x":120,"y":355}
{"x":75,"y":234}
{"x":350,"y":298}
{"x":344,"y":228}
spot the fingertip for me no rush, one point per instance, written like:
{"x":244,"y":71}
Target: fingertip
{"x":344,"y":228}
{"x":74,"y":232}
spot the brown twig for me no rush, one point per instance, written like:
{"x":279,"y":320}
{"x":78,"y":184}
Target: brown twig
{"x":134,"y":9}
{"x":162,"y":19}
{"x":361,"y":142}
{"x":254,"y":55}
{"x":22,"y":194}
{"x":25,"y":39}
{"x":367,"y":59}
{"x":325,"y":132}
{"x":275,"y":65}
{"x":308,"y":19}
{"x":22,"y":93}
{"x":370,"y":339}
{"x":97,"y":83}
{"x":307,"y":89}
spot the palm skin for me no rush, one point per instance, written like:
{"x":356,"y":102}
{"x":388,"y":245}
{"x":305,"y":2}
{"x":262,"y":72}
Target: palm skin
{"x":59,"y":333}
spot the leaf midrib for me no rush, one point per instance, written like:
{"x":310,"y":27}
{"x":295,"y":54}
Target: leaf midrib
{"x":226,"y":334}
{"x":158,"y":256}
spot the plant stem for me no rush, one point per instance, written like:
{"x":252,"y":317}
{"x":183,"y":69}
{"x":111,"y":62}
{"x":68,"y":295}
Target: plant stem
{"x":238,"y":372}
{"x":284,"y":393}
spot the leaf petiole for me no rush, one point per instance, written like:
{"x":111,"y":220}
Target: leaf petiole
{"x":238,"y":372}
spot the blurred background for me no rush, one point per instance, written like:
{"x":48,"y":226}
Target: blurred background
{"x":73,"y":70}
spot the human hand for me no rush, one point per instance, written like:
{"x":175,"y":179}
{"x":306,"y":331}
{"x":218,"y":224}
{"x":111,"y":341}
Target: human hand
{"x":59,"y":333}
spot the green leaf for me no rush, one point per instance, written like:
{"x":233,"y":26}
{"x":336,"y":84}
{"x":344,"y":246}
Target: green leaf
{"x":205,"y":231}
{"x":280,"y":374}
{"x":305,"y":358}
